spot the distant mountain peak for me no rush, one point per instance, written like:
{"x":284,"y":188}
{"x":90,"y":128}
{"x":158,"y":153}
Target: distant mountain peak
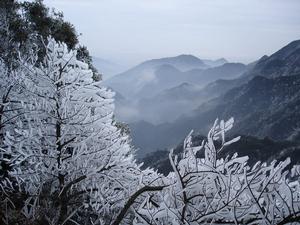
{"x":215,"y":63}
{"x":181,"y":62}
{"x":183,"y":58}
{"x":188,"y":57}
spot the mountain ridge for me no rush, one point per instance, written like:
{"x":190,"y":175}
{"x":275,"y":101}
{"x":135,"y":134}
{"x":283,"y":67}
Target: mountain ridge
{"x":132,"y":82}
{"x":262,"y":105}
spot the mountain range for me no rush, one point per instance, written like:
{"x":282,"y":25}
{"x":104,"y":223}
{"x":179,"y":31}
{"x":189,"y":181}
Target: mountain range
{"x":153,"y":76}
{"x":265,"y":101}
{"x":162,"y":90}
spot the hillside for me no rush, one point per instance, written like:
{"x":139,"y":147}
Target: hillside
{"x":263,"y":106}
{"x":284,"y":62}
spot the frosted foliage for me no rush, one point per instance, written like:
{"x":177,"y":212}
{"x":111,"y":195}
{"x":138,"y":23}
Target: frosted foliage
{"x":214,"y":190}
{"x":68,"y":145}
{"x":10,"y":113}
{"x":59,"y":144}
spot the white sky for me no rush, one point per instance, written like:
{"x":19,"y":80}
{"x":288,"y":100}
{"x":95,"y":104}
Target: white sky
{"x":130,"y":31}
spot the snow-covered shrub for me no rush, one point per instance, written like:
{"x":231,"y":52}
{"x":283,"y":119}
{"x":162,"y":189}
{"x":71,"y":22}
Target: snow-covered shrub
{"x":214,"y":190}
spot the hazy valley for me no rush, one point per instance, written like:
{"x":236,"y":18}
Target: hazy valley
{"x":162,"y":99}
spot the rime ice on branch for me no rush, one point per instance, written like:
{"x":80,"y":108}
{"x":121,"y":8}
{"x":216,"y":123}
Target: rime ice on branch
{"x":61,"y":146}
{"x":214,"y":190}
{"x":67,"y":145}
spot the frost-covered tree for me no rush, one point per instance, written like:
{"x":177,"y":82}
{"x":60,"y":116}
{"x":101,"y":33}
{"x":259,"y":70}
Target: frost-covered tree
{"x":210,"y":190}
{"x":73,"y":159}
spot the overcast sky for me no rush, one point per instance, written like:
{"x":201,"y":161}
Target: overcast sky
{"x":130,"y":31}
